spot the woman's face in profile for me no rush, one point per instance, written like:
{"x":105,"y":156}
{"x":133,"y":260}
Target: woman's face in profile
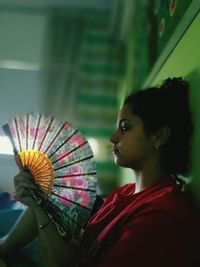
{"x":132,"y":147}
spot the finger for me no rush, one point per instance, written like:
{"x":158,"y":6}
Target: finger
{"x":24,"y":198}
{"x":24,"y":184}
{"x":27,"y":173}
{"x":21,"y":193}
{"x":22,"y":178}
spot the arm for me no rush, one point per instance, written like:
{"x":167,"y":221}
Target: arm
{"x":54,"y":251}
{"x":23,"y":232}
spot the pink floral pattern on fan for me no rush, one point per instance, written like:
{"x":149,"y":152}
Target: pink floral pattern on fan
{"x":34,"y":131}
{"x":67,"y":126}
{"x":76,"y":140}
{"x":73,"y":180}
{"x":78,"y":170}
{"x":80,"y":196}
{"x":62,"y":159}
{"x":67,"y":198}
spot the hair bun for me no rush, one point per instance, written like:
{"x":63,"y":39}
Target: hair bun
{"x":175,"y":86}
{"x":176,"y":82}
{"x":174,"y":92}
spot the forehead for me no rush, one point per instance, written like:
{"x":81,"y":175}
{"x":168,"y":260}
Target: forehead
{"x":126,"y":113}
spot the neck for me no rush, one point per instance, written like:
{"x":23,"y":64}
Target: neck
{"x":148,"y":176}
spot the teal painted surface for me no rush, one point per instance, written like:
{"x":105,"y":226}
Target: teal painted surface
{"x":185,"y":58}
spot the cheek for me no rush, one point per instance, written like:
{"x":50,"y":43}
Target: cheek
{"x":138,"y":148}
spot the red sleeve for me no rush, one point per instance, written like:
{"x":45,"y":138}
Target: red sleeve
{"x":145,"y":241}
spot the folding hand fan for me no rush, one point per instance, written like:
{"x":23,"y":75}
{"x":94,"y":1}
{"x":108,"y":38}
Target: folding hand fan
{"x":62,"y":164}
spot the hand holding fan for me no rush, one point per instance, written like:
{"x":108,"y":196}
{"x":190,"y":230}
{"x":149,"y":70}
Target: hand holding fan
{"x":62,"y":164}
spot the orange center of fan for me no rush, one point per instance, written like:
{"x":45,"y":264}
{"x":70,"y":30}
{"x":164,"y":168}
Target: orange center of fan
{"x":41,"y":168}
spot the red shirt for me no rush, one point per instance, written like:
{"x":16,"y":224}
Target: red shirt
{"x":157,"y":227}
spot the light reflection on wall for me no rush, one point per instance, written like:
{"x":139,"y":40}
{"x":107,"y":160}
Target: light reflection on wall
{"x":5,"y":146}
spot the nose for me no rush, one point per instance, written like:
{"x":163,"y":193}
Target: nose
{"x":114,"y":138}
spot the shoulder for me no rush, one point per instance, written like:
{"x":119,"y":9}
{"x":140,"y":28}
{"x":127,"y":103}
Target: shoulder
{"x":171,"y":204}
{"x":125,"y":189}
{"x":122,"y":191}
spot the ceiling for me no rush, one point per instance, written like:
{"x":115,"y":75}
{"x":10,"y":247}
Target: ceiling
{"x":101,"y":4}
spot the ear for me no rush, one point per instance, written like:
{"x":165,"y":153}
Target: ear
{"x":161,"y":136}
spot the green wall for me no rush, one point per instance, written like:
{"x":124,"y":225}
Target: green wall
{"x":185,"y":58}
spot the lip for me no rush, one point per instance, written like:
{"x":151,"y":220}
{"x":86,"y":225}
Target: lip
{"x":116,"y":151}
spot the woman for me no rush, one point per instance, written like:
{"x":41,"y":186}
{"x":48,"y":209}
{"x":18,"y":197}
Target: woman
{"x":151,"y":222}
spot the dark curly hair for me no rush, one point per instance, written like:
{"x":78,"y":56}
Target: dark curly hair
{"x":168,"y":105}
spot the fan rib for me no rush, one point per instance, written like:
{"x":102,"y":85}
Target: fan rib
{"x":63,"y":143}
{"x":75,"y":175}
{"x":27,"y":125}
{"x":43,"y":176}
{"x":18,"y":137}
{"x":33,"y":166}
{"x":47,"y":130}
{"x":72,"y":163}
{"x":57,"y":134}
{"x":26,"y":161}
{"x":36,"y":134}
{"x":42,"y":173}
{"x":53,"y":210}
{"x":32,"y":160}
{"x":76,"y":203}
{"x":75,"y":188}
{"x":39,"y":164}
{"x":69,"y":152}
{"x":45,"y":181}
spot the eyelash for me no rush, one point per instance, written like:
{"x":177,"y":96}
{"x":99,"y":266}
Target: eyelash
{"x":124,"y":128}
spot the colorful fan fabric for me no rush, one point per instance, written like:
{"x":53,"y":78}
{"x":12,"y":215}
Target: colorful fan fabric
{"x":62,"y":164}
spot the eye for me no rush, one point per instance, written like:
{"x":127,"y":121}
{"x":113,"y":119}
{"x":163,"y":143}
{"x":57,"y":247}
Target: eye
{"x":124,"y":127}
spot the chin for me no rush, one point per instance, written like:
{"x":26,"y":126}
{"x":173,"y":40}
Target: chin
{"x":120,"y":163}
{"x":125,"y":164}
